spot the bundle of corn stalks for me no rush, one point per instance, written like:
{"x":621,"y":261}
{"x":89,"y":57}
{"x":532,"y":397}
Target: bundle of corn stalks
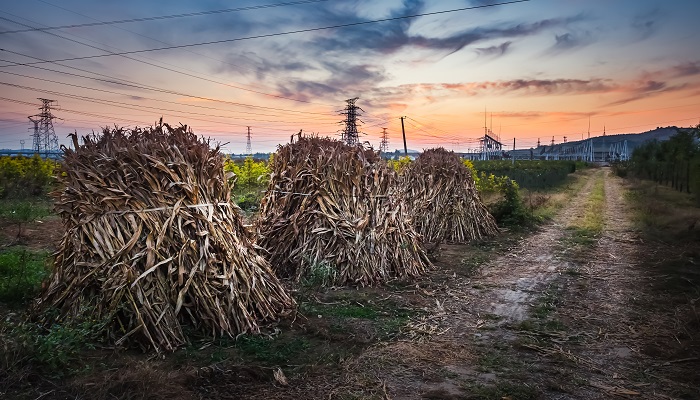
{"x":443,"y":200}
{"x":153,"y":243}
{"x":329,"y":217}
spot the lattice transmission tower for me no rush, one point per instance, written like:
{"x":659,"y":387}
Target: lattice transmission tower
{"x":384,"y":145}
{"x":350,"y":134}
{"x":248,"y":146}
{"x":44,"y":140}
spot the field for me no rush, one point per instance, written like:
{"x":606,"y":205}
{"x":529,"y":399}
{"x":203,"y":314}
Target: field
{"x":588,"y":292}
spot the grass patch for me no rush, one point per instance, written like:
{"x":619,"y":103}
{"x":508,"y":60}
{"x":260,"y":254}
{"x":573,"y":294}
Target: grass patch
{"x":472,"y":263}
{"x":547,"y":303}
{"x":491,"y":361}
{"x":664,"y":214}
{"x":668,"y":216}
{"x":21,"y":274}
{"x":340,"y":310}
{"x":54,"y":350}
{"x":585,"y":230}
{"x":278,"y":351}
{"x":501,"y":390}
{"x":545,"y":204}
{"x":21,"y":212}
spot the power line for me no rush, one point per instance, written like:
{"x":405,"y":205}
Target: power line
{"x":139,"y":86}
{"x":162,"y":91}
{"x":139,"y":107}
{"x":155,"y":18}
{"x":69,"y":110}
{"x":237,"y":66}
{"x":137,"y":60}
{"x":278,"y":33}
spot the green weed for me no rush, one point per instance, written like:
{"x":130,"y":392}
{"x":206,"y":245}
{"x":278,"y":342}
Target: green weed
{"x":21,"y":274}
{"x":276,"y":351}
{"x":501,"y":390}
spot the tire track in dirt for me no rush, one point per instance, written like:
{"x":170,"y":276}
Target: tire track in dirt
{"x":470,"y":315}
{"x":606,"y":306}
{"x":514,"y":280}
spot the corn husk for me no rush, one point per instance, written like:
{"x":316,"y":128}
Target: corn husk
{"x":443,"y":201}
{"x":329,"y":214}
{"x":153,"y":243}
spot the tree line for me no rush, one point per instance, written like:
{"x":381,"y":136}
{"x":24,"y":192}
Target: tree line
{"x":674,"y":162}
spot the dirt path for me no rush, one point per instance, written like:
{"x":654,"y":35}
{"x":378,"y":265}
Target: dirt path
{"x":547,"y":319}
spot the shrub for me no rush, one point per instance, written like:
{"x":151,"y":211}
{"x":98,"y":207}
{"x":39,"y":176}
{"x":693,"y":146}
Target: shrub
{"x":22,"y":177}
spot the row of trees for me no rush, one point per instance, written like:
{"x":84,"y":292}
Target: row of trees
{"x":674,"y":162}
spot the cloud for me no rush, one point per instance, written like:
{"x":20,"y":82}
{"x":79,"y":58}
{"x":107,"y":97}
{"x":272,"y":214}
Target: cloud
{"x":686,"y":69}
{"x":542,"y":114}
{"x":344,"y":81}
{"x":568,"y":41}
{"x":532,"y":86}
{"x":645,"y":25}
{"x":392,"y":36}
{"x":495,"y":51}
{"x":646,"y":90}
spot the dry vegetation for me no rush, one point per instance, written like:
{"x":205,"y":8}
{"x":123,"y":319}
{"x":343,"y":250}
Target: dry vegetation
{"x":153,"y":243}
{"x":330,"y":216}
{"x":443,"y":201}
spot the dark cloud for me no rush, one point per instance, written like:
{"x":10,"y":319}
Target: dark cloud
{"x":651,"y":86}
{"x":646,"y":89}
{"x":266,"y":67}
{"x":345,"y":81}
{"x":542,"y":114}
{"x":390,"y":40}
{"x":495,"y":51}
{"x":568,"y":41}
{"x":545,"y":86}
{"x":392,"y":36}
{"x":687,"y":69}
{"x":645,"y":25}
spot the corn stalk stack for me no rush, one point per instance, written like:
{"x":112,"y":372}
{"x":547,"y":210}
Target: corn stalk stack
{"x":329,"y":215}
{"x":443,"y":200}
{"x":153,"y":243}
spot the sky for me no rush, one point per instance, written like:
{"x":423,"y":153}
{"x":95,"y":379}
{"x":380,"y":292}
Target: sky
{"x":528,"y":70}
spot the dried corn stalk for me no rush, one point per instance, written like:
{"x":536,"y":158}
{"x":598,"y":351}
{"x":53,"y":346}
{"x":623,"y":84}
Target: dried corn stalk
{"x":443,"y":200}
{"x":329,"y":215}
{"x":153,"y":243}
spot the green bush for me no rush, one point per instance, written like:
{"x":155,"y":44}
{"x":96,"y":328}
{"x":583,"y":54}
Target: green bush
{"x":23,"y":177}
{"x":248,"y":184}
{"x":529,"y":174}
{"x":510,"y":211}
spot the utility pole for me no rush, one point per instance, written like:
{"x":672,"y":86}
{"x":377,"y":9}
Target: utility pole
{"x":248,"y":146}
{"x":513,"y":155}
{"x":350,"y":135}
{"x":384,"y":145}
{"x":403,"y":131}
{"x":44,"y":137}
